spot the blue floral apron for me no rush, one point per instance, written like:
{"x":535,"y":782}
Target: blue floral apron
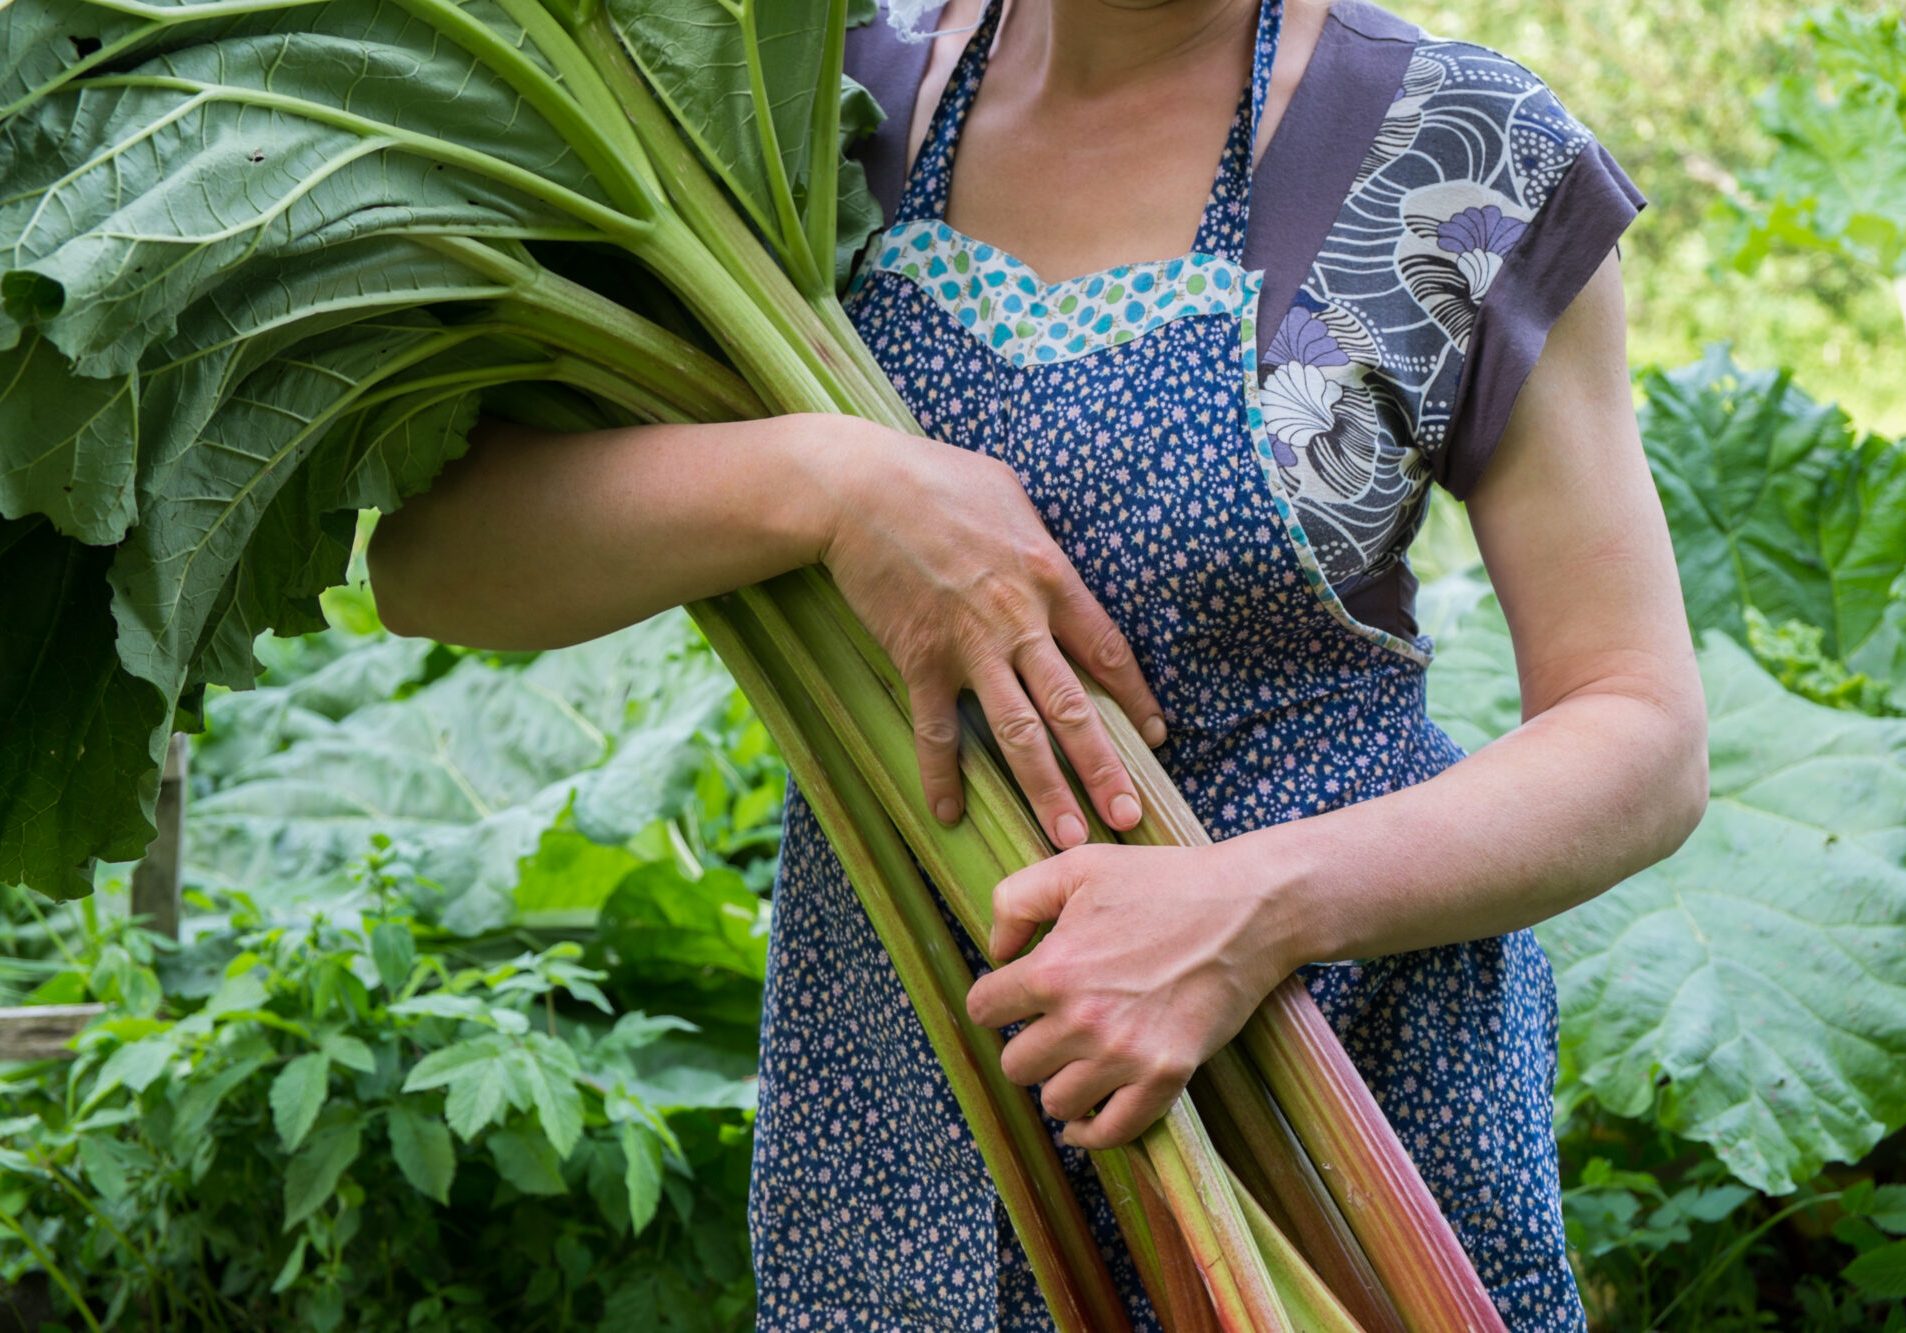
{"x":1125,"y":401}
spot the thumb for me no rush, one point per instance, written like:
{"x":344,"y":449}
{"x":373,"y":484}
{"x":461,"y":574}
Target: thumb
{"x":1028,"y":898}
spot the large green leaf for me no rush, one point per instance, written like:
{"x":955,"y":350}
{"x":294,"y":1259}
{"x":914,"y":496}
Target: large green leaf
{"x":81,"y":741}
{"x":703,"y":61}
{"x":1837,"y":181}
{"x":206,"y":309}
{"x":467,"y":773}
{"x":1750,"y":990}
{"x":1774,"y":503}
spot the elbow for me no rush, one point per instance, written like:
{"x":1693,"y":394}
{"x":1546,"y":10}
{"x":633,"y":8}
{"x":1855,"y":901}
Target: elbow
{"x":1684,"y":784}
{"x":394,"y":575}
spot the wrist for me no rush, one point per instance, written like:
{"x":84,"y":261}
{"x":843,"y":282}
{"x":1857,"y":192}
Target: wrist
{"x":822,"y":455}
{"x":833,"y":458}
{"x":1282,"y":869}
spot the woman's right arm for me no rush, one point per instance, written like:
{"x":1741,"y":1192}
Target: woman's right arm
{"x":537,"y":539}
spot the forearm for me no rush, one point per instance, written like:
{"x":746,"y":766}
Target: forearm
{"x":536,"y":539}
{"x":1602,"y":784}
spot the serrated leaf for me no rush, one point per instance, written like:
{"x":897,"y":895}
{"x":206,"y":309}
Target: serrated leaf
{"x":312,"y":1176}
{"x":642,"y":1172}
{"x":292,"y":1268}
{"x":1888,"y":1209}
{"x":297,"y":1095}
{"x":393,"y":950}
{"x":476,"y":1076}
{"x":1880,"y":1273}
{"x":135,"y":1066}
{"x":348,"y":1051}
{"x":525,"y":1159}
{"x":550,"y":1072}
{"x":421,"y":1144}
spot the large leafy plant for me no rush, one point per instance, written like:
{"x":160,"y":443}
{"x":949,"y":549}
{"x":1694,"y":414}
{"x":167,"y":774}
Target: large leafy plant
{"x":1747,"y":993}
{"x":320,"y":1138}
{"x":1836,"y":182}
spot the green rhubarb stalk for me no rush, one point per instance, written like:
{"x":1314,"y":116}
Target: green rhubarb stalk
{"x":1202,"y":1200}
{"x":834,"y":358}
{"x":1306,"y":1297}
{"x":1012,"y":1138}
{"x":881,"y":744}
{"x":1186,"y":1303}
{"x":1257,"y":1142}
{"x":571,"y":316}
{"x":1146,"y":1236}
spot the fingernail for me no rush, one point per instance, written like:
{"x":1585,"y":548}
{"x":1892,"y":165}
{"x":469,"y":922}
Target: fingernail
{"x":1125,"y":811}
{"x":948,"y":810}
{"x":1153,"y":731}
{"x":1071,"y":831}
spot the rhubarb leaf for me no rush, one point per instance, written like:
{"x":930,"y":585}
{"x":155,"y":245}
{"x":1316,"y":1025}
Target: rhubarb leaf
{"x":1749,"y":992}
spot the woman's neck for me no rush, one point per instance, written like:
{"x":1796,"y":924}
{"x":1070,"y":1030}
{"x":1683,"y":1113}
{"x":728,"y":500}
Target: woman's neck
{"x":1082,"y":48}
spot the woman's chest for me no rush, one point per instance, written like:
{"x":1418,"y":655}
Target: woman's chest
{"x":1138,"y":454}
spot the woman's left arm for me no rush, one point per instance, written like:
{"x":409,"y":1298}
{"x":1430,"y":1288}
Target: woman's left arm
{"x":1134,"y":987}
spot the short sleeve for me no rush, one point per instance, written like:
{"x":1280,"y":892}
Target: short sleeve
{"x":1587,"y":203}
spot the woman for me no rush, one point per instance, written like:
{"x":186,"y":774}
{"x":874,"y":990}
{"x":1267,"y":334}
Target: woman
{"x":1249,"y":281}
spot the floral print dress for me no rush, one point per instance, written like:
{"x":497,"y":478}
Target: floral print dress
{"x":1182,"y":454}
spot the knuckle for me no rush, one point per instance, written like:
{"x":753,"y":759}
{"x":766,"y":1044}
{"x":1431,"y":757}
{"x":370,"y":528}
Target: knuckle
{"x":936,"y":731}
{"x":1020,"y":729}
{"x":1092,"y":1016}
{"x":1110,"y":651}
{"x":1068,"y":705}
{"x":1050,"y":976}
{"x":1170,"y":1067}
{"x":1046,"y":564}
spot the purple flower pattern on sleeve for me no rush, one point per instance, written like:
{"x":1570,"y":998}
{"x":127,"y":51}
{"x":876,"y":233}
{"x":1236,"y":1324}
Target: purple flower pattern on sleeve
{"x":1363,"y":375}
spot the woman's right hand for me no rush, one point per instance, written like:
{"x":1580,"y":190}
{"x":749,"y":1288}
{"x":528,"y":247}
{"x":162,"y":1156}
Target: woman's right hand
{"x":941,"y":554}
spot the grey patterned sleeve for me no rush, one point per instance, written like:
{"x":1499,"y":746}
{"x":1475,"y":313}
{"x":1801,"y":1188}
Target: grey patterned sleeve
{"x":1553,"y":258}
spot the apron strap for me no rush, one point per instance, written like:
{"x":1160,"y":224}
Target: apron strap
{"x":930,"y":179}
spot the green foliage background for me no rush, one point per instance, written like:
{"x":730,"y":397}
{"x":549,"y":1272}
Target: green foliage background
{"x":1672,"y":88}
{"x":461,"y":1034}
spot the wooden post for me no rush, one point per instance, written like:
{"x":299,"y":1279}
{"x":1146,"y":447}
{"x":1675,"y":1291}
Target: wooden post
{"x":155,"y":880}
{"x":41,"y":1031}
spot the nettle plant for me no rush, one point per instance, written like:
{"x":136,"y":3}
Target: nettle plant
{"x":289,"y":1150}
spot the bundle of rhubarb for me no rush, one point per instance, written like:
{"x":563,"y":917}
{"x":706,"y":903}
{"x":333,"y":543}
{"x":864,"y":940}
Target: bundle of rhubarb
{"x":263,"y":263}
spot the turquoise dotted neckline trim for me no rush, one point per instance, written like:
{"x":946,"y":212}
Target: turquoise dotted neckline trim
{"x":1004,"y":304}
{"x":1286,"y":512}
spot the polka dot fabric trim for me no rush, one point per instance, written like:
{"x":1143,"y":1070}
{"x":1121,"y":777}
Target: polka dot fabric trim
{"x":996,"y":297}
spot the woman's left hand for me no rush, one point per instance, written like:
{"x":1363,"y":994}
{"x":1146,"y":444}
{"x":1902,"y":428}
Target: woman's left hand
{"x":1157,"y":957}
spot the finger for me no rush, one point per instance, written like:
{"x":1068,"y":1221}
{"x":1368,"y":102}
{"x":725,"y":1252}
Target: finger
{"x":1075,"y":722}
{"x":936,"y":741}
{"x":1006,"y":995}
{"x":1079,"y":1087}
{"x":1038,"y":1051}
{"x":1027,"y":899}
{"x":1133,"y":1109}
{"x":1083,"y":629}
{"x":1023,"y":740}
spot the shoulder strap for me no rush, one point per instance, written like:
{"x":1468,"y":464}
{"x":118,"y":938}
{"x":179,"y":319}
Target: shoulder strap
{"x":891,"y":70}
